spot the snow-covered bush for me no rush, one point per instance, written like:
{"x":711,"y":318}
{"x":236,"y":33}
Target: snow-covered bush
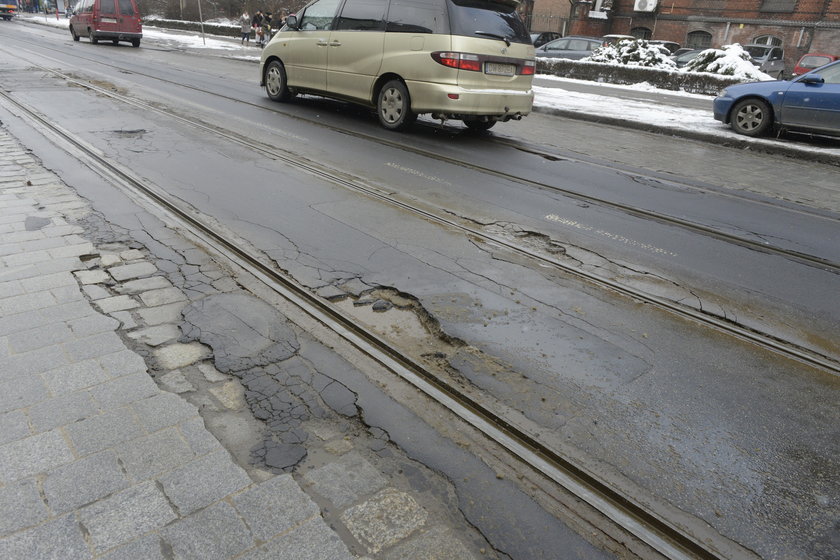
{"x":632,"y":53}
{"x":730,"y":60}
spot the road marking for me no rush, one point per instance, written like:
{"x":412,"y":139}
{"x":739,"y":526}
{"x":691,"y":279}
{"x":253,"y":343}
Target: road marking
{"x":608,"y":234}
{"x":416,"y":173}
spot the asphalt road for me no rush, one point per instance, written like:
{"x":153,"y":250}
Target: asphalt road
{"x":733,"y":436}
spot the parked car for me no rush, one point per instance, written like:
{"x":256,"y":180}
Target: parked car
{"x":572,"y":47}
{"x":808,"y":103}
{"x":107,"y":20}
{"x":811,"y":61}
{"x":682,"y":50}
{"x":769,"y":59}
{"x":614,"y":39}
{"x":8,"y":9}
{"x":456,"y":60}
{"x":670,"y":45}
{"x":540,"y":39}
{"x":685,"y":57}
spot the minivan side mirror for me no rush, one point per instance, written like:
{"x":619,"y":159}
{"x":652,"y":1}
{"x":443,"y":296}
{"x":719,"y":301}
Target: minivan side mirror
{"x":292,"y":21}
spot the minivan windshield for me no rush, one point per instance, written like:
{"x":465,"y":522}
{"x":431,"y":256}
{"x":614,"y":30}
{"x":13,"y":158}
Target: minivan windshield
{"x":487,"y":19}
{"x":757,"y":52}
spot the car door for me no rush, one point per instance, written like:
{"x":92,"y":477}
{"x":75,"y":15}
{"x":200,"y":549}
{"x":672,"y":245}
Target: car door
{"x":306,"y":64}
{"x":109,"y":17}
{"x":815,"y":106}
{"x":556,"y":48}
{"x":355,"y":48}
{"x":580,"y":48}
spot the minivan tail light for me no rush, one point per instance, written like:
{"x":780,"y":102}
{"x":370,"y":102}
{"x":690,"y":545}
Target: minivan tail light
{"x":528,"y":68}
{"x":461,"y":61}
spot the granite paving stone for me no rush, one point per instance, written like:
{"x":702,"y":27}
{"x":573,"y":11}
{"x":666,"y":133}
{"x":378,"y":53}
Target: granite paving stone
{"x":60,"y":538}
{"x":176,"y":382}
{"x":33,"y":455}
{"x":150,"y":456}
{"x":198,"y":436}
{"x":78,"y":249}
{"x":275,"y":506}
{"x":124,"y":362}
{"x":94,"y":346}
{"x":157,"y":335}
{"x":130,"y":271}
{"x":175,"y":356}
{"x":96,"y":293}
{"x":116,"y":303}
{"x":163,"y":410}
{"x":144,"y":285}
{"x":92,"y":324}
{"x":32,"y":339}
{"x":346,"y":480}
{"x":21,"y":505}
{"x":204,"y":481}
{"x":25,"y":302}
{"x":67,"y":294}
{"x":126,"y":515}
{"x":150,"y":547}
{"x":48,"y":282}
{"x":106,"y":430}
{"x":313,"y":540}
{"x":22,"y":392}
{"x":216,"y":533}
{"x":81,"y":482}
{"x":13,"y":426}
{"x":92,"y":276}
{"x":74,"y":377}
{"x":62,"y":410}
{"x":124,"y":390}
{"x":385,"y":519}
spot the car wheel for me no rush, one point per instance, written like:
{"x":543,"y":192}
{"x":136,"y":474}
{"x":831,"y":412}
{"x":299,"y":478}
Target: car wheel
{"x":115,"y":41}
{"x":276,"y":84}
{"x":394,"y":106}
{"x":135,"y":43}
{"x":751,"y":117}
{"x":780,"y":75}
{"x":93,"y":38}
{"x":73,"y":33}
{"x":479,"y":126}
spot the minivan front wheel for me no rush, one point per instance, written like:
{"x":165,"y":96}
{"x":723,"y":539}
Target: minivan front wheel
{"x":73,"y":33}
{"x":394,"y":106}
{"x":276,"y":85}
{"x":479,"y":126}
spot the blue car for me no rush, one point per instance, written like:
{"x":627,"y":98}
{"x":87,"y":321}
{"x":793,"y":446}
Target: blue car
{"x":809,"y":103}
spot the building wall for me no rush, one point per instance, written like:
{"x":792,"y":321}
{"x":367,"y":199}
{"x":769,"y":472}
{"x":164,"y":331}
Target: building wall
{"x":812,"y":25}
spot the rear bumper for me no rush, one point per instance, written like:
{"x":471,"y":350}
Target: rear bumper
{"x":118,"y":35}
{"x":453,"y":100}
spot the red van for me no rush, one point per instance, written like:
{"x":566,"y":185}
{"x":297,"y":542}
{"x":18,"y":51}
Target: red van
{"x":107,"y":20}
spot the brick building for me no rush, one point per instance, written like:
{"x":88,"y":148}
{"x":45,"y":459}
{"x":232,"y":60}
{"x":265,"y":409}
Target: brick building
{"x":800,"y":26}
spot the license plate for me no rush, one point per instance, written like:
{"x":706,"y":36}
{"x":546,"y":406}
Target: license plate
{"x":499,"y":69}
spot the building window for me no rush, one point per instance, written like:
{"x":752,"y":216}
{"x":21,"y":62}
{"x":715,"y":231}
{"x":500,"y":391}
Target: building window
{"x":699,"y":40}
{"x":777,"y":6}
{"x":767,"y":40}
{"x":641,"y":32}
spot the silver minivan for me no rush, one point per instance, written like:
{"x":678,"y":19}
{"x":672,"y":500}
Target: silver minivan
{"x":769,"y":59}
{"x":470,"y":60}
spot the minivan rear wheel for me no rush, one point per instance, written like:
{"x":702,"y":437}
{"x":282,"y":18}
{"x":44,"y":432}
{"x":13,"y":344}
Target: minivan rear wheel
{"x":73,"y":33}
{"x":276,"y":85}
{"x":394,"y":106}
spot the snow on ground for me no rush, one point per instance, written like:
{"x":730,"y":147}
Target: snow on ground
{"x":673,"y":118}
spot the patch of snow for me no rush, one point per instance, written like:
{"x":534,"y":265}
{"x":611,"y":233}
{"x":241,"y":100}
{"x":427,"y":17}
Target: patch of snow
{"x":730,"y":60}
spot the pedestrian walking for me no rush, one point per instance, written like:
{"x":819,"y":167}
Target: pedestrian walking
{"x":256,"y":23}
{"x":245,"y":27}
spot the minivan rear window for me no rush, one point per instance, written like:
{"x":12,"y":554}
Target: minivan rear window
{"x":417,"y":16}
{"x":474,"y":18}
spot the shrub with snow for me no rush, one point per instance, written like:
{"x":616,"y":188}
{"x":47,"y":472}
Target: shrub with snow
{"x":730,"y":60}
{"x":632,"y":53}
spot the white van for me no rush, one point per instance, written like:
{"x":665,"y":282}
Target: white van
{"x":470,"y":60}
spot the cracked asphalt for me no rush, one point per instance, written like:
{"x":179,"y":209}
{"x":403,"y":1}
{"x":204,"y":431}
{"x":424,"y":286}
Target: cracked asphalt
{"x":733,"y":437}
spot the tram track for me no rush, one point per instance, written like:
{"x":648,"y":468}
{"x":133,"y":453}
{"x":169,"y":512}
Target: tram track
{"x":629,"y":209}
{"x":655,"y":530}
{"x":755,"y":334}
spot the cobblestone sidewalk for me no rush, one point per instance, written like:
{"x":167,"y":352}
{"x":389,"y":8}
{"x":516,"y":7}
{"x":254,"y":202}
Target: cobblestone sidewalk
{"x":95,"y":460}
